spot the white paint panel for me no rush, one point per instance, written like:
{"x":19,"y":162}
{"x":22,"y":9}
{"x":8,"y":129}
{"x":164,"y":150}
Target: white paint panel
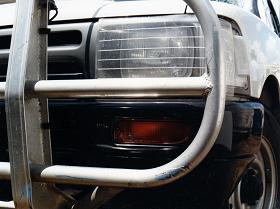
{"x":262,"y":43}
{"x":83,"y":9}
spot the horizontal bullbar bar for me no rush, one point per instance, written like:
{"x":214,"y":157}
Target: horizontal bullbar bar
{"x":7,"y":1}
{"x":118,"y":88}
{"x":7,"y":205}
{"x":5,"y":172}
{"x":2,"y":90}
{"x":113,"y":177}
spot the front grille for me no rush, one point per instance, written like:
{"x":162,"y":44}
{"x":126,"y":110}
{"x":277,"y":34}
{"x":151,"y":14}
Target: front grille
{"x":66,"y":51}
{"x":65,"y":70}
{"x":5,"y":42}
{"x":3,"y":72}
{"x":60,"y":38}
{"x":65,"y":38}
{"x":57,"y":70}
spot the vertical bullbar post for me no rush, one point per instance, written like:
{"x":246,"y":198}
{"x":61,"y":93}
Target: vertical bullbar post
{"x":27,"y":118}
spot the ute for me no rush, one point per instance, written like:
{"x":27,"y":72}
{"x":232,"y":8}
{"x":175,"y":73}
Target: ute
{"x":139,"y":104}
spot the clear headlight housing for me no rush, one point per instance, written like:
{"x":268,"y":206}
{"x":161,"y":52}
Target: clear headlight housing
{"x":158,"y":46}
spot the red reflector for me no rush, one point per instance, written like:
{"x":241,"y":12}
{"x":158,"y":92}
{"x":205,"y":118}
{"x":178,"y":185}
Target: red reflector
{"x":151,"y":132}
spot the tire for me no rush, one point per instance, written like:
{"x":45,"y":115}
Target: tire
{"x":258,"y":188}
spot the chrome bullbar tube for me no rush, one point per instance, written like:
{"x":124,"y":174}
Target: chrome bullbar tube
{"x":213,"y":84}
{"x":6,"y":1}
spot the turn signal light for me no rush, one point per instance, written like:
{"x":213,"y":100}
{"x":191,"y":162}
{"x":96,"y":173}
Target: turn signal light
{"x":150,"y":132}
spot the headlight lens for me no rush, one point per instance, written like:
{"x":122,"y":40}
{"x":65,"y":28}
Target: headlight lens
{"x":163,"y":46}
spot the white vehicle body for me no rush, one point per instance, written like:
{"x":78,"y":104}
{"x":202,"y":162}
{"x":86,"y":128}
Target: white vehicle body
{"x":233,"y":76}
{"x":260,"y":57}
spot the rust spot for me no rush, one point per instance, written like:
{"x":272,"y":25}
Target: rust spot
{"x":170,"y":174}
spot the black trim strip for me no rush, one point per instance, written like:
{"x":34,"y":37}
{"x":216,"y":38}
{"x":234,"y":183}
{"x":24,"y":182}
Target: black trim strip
{"x":87,"y":52}
{"x":86,"y":20}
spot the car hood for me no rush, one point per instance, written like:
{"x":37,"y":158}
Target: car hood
{"x":84,"y":9}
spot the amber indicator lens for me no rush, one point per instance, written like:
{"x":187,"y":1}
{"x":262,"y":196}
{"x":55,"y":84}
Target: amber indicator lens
{"x":149,"y":132}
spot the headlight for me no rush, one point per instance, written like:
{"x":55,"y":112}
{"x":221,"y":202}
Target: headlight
{"x":162,"y":46}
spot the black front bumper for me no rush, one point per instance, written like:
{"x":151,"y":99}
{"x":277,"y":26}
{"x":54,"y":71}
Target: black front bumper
{"x":82,"y":134}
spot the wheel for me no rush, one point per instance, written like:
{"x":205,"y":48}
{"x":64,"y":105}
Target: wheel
{"x":258,"y":188}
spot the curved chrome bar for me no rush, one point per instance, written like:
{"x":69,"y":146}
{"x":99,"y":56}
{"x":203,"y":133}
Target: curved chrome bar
{"x":191,"y":157}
